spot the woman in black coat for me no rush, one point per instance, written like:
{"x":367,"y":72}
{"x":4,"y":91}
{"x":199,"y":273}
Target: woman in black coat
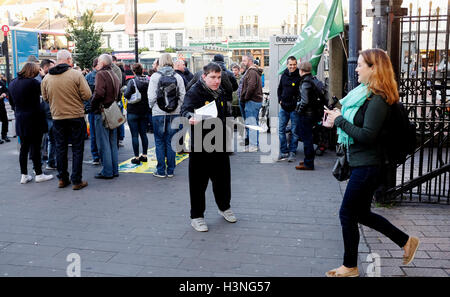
{"x":30,"y":120}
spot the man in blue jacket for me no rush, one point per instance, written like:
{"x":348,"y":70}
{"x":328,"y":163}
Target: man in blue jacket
{"x":288,"y":93}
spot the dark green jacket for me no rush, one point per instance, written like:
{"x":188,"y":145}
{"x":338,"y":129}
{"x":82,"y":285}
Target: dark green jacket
{"x":368,"y":124}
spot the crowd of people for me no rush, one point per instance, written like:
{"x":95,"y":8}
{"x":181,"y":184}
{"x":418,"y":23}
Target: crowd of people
{"x":53,"y":98}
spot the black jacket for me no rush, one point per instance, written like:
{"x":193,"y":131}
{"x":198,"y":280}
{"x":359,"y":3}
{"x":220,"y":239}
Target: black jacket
{"x":288,"y":90}
{"x":308,"y":96}
{"x":4,"y":89}
{"x":181,"y":73}
{"x":30,"y":117}
{"x":196,"y":97}
{"x":140,"y":107}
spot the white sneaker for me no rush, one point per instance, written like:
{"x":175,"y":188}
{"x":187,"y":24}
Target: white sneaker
{"x":228,"y":215}
{"x":43,"y":178}
{"x":26,"y":179}
{"x":252,"y":149}
{"x":199,"y":224}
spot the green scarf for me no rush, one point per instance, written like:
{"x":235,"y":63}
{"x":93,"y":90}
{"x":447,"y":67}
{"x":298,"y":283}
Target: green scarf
{"x":350,"y":106}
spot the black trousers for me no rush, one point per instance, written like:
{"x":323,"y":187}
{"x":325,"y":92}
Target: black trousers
{"x":202,"y":168}
{"x":63,"y":130}
{"x":33,"y":145}
{"x":355,"y":208}
{"x":3,"y":119}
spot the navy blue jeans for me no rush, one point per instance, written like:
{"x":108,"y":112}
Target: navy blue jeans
{"x":63,"y":130}
{"x":163,"y":133}
{"x":355,"y":209}
{"x":305,"y":131}
{"x":284,"y":117}
{"x":138,"y":127}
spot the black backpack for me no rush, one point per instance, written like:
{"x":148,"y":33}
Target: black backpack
{"x":322,"y":93}
{"x":322,"y":97}
{"x":167,"y":93}
{"x":399,"y":135}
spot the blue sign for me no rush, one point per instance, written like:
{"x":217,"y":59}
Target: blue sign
{"x":24,"y":44}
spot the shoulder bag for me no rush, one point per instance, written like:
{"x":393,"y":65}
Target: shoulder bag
{"x":136,"y":97}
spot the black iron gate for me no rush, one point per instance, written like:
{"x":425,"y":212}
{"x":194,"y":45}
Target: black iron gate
{"x":425,"y":91}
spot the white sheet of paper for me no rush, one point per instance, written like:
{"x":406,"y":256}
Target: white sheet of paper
{"x":252,"y":127}
{"x":209,"y":110}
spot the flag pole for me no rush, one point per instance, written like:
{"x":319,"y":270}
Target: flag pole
{"x":343,"y":46}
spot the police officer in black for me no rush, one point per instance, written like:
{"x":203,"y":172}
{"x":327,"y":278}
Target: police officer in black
{"x":208,"y":163}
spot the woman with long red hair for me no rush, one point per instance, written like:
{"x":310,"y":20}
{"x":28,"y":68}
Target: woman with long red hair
{"x":360,"y":122}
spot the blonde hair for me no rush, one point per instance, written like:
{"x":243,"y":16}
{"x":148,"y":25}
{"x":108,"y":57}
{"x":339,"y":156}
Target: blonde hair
{"x":382,"y":81}
{"x":166,"y":60}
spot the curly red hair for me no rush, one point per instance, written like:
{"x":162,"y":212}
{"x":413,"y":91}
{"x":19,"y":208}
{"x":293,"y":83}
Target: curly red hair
{"x":382,"y":81}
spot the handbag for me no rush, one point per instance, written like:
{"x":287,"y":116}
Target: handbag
{"x":136,"y":97}
{"x":341,"y":169}
{"x":112,"y":116}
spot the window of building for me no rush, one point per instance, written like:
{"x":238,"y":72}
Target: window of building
{"x":119,"y":40}
{"x":151,"y":40}
{"x":247,"y":30}
{"x":164,"y":40}
{"x":178,"y":40}
{"x":213,"y":31}
{"x":242,"y":31}
{"x":207,"y":27}
{"x":131,"y":41}
{"x":266,"y":58}
{"x":219,"y":27}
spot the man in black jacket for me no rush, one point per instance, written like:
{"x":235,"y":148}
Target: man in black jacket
{"x":307,"y":115}
{"x":288,"y":92}
{"x":3,"y":114}
{"x":207,"y":163}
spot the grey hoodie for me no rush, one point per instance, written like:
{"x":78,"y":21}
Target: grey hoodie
{"x":153,"y":85}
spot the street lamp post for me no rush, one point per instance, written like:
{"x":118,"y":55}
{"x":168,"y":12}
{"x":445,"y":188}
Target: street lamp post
{"x":136,"y":42}
{"x":354,"y":42}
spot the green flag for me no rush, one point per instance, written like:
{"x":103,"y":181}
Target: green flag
{"x":324,"y":24}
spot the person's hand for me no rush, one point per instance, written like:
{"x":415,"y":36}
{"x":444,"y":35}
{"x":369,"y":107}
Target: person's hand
{"x":3,"y":95}
{"x":333,"y":114}
{"x":41,"y":72}
{"x":193,"y":121}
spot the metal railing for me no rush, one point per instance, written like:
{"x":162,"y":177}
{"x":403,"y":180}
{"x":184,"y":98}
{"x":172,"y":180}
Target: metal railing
{"x":424,"y":89}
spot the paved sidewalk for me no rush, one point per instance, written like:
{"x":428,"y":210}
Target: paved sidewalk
{"x":429,"y":222}
{"x":138,"y":225}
